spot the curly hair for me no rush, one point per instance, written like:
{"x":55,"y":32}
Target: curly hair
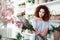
{"x":46,"y":16}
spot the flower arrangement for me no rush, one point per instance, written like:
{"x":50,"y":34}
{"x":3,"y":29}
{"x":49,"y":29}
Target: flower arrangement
{"x":27,"y":25}
{"x":21,"y":15}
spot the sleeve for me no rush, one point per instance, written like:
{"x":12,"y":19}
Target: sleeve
{"x":33,"y":22}
{"x":47,"y":24}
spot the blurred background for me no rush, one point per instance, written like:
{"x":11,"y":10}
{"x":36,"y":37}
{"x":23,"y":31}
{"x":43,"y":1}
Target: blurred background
{"x":24,"y":9}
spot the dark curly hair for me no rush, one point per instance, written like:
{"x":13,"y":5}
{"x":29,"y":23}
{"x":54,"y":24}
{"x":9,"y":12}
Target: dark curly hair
{"x":46,"y":16}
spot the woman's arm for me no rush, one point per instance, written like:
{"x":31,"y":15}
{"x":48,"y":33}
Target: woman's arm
{"x":44,"y":33}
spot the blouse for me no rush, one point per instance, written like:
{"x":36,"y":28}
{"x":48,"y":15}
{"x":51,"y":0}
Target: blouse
{"x":41,"y":26}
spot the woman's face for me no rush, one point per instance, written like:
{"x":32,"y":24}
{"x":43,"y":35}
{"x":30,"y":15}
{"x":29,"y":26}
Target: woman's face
{"x":41,"y":13}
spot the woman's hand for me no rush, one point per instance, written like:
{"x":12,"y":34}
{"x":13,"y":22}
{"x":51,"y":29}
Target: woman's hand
{"x":36,"y":32}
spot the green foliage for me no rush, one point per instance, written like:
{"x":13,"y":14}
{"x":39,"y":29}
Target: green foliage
{"x":19,"y":37}
{"x":22,"y":4}
{"x":0,"y":36}
{"x":21,"y":16}
{"x":28,"y":26}
{"x":56,"y":28}
{"x":31,"y":1}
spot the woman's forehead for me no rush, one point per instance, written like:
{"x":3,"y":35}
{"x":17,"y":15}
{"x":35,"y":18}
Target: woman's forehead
{"x":42,"y":10}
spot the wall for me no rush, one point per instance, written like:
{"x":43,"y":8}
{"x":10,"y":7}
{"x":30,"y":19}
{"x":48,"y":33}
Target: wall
{"x":54,"y":7}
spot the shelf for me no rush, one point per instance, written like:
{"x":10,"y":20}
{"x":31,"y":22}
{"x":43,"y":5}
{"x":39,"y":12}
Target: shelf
{"x":51,"y":2}
{"x":55,"y":21}
{"x":47,"y":3}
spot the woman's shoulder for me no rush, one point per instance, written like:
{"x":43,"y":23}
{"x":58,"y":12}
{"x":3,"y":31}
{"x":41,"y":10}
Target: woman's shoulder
{"x":36,"y":18}
{"x":33,"y":19}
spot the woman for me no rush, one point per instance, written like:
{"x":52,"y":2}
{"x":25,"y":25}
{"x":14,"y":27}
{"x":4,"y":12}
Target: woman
{"x":41,"y":22}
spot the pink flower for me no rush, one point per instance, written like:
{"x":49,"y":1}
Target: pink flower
{"x":23,"y":13}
